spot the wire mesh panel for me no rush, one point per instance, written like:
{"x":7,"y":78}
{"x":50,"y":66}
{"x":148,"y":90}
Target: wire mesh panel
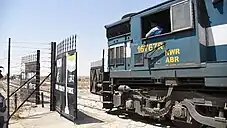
{"x":28,"y":70}
{"x":66,"y":79}
{"x":24,"y":71}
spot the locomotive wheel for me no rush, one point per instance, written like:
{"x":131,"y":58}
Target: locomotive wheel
{"x":181,"y":124}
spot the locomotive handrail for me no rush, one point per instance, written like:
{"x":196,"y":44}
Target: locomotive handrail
{"x":156,"y":57}
{"x":154,"y":50}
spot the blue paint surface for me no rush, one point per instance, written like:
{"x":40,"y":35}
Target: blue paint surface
{"x":217,"y":53}
{"x":214,"y":15}
{"x":192,"y":51}
{"x":217,"y":13}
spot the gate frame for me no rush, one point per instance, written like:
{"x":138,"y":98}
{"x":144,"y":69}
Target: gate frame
{"x":54,"y":75}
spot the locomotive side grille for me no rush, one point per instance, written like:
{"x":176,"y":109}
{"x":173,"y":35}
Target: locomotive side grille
{"x":191,"y":81}
{"x":139,"y":59}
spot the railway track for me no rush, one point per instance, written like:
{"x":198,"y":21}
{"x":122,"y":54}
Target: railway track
{"x":86,"y":100}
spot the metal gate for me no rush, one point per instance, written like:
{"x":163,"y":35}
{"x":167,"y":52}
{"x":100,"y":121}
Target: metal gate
{"x":66,"y":78}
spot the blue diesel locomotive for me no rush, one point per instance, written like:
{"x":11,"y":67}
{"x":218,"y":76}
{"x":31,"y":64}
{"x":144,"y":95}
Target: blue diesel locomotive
{"x":167,"y":61}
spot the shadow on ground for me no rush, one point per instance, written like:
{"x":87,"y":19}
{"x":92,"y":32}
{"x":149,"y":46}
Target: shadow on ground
{"x":86,"y":119}
{"x":138,"y":118}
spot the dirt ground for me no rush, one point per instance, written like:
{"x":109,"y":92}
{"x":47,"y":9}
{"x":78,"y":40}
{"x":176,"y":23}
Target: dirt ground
{"x":87,"y":117}
{"x":83,"y":83}
{"x":90,"y":114}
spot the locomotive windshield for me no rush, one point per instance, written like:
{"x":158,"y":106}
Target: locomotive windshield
{"x":119,"y":29}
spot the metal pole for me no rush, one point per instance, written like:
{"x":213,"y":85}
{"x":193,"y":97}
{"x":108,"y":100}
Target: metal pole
{"x":53,"y":78}
{"x":66,"y":85}
{"x":15,"y":101}
{"x":125,"y":56}
{"x":8,"y":82}
{"x":42,"y":99}
{"x":103,"y":61}
{"x":37,"y":77}
{"x":75,"y":105}
{"x":52,"y":75}
{"x":75,"y":81}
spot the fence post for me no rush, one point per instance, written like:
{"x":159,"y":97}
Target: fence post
{"x":76,"y":83}
{"x":15,"y":101}
{"x":8,"y":82}
{"x":37,"y":77}
{"x":42,"y":99}
{"x":53,"y":79}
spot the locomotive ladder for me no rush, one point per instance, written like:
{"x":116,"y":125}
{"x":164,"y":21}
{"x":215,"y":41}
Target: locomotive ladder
{"x":107,"y":95}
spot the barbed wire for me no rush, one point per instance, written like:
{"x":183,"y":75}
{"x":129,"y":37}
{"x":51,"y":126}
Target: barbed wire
{"x":45,"y":57}
{"x":15,"y":67}
{"x":27,"y":50}
{"x":30,"y":48}
{"x":42,"y":59}
{"x":46,"y":53}
{"x":19,"y":57}
{"x":45,"y":61}
{"x":18,"y":42}
{"x":5,"y":58}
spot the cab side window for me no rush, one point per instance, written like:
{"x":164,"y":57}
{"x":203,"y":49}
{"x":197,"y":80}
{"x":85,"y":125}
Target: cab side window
{"x":181,"y":16}
{"x":175,"y":18}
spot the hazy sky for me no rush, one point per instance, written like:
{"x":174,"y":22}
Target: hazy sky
{"x":39,"y":22}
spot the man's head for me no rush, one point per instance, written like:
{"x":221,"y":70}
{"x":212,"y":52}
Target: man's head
{"x":153,"y":24}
